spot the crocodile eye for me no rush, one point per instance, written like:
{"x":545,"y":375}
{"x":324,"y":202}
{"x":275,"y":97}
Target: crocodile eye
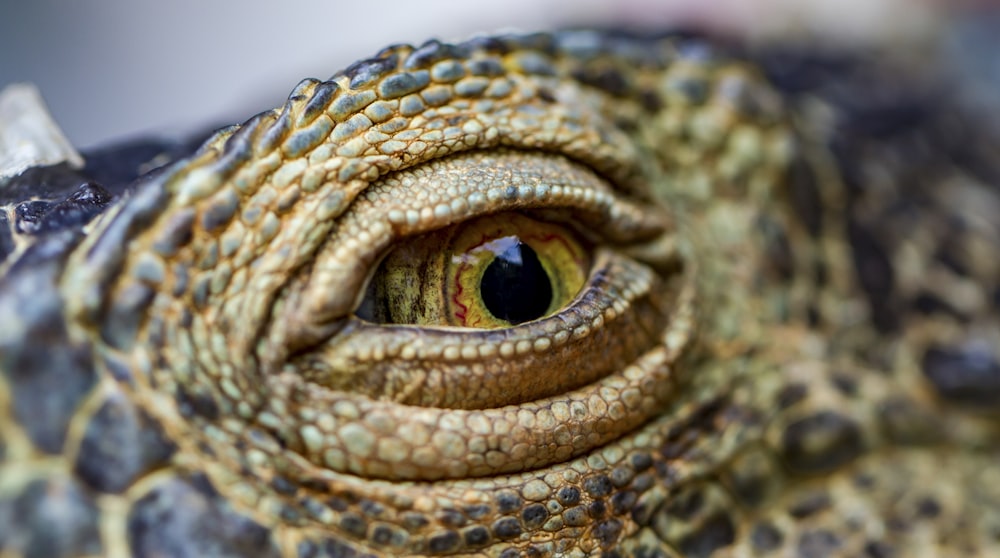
{"x":492,"y":272}
{"x":510,"y":269}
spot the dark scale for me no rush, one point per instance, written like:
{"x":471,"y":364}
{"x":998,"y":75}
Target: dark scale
{"x":515,"y":286}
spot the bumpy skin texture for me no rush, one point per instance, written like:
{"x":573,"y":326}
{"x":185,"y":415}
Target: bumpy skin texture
{"x":787,"y":344}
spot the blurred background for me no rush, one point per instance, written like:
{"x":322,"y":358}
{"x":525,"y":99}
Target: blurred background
{"x":111,"y":69}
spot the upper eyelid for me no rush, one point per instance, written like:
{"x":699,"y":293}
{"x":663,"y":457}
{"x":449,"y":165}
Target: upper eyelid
{"x":388,"y":211}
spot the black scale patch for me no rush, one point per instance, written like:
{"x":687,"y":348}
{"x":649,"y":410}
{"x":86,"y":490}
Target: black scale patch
{"x":120,"y":444}
{"x":50,"y":518}
{"x":186,"y":517}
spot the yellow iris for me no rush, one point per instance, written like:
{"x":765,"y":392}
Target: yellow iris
{"x":492,"y":272}
{"x":472,"y":293}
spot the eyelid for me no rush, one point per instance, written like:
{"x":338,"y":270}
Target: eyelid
{"x":444,"y":192}
{"x":622,"y":302}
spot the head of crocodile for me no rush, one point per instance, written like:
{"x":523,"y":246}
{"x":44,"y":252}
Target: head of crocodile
{"x":566,"y":294}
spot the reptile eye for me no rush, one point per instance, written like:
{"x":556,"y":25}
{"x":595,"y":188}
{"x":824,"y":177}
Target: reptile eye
{"x":492,"y":272}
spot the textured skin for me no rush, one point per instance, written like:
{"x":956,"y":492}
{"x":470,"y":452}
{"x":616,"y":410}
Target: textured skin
{"x":788,"y":344}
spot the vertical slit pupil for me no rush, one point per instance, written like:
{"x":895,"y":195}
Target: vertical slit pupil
{"x":515,"y":286}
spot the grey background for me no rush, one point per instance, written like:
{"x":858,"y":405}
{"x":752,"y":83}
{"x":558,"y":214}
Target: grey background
{"x":111,"y":69}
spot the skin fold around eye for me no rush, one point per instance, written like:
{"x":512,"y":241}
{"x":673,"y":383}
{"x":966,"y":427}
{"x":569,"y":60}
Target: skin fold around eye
{"x":411,"y":337}
{"x":614,"y":296}
{"x":492,"y":272}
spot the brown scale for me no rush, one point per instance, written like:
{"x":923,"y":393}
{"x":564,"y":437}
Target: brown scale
{"x":804,"y":245}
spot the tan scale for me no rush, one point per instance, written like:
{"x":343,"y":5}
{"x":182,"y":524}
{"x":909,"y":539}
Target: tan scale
{"x":755,"y":366}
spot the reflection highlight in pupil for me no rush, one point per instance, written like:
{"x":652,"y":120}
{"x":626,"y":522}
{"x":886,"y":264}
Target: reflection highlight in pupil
{"x":515,"y":286}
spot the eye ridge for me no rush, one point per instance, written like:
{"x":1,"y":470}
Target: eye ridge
{"x":515,"y":287}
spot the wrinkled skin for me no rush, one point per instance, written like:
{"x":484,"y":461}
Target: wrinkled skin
{"x":787,"y":343}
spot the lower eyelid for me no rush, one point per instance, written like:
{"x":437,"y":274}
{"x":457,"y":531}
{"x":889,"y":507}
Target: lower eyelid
{"x":618,"y":302}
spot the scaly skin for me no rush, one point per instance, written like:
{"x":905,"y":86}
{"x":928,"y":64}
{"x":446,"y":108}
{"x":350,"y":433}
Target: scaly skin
{"x":787,"y":344}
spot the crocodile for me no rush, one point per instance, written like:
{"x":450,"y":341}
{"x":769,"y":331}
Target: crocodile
{"x":581,"y":293}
